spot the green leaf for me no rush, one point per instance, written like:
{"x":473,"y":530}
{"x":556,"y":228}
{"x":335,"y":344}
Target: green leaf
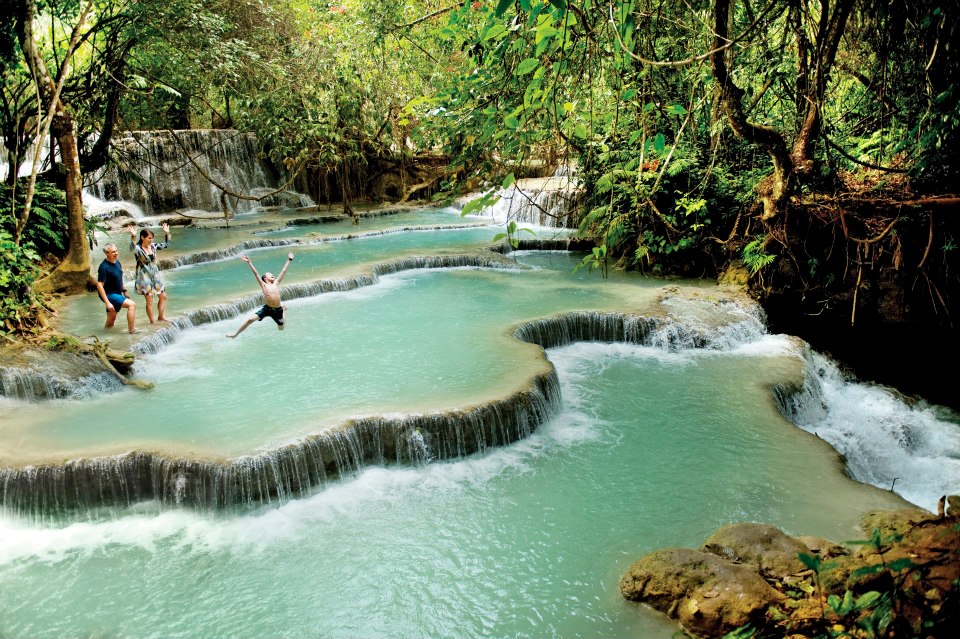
{"x":580,"y":131}
{"x":628,"y":93}
{"x":868,"y":570}
{"x":502,"y":6}
{"x":493,"y":32}
{"x":527,"y":66}
{"x":545,"y":31}
{"x":508,"y":181}
{"x":867,"y":599}
{"x":659,"y":143}
{"x":903,"y":563}
{"x":810,"y":561}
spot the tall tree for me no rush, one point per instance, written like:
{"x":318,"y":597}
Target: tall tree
{"x":73,"y":272}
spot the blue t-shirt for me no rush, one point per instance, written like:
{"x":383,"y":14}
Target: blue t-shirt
{"x":112,"y":277}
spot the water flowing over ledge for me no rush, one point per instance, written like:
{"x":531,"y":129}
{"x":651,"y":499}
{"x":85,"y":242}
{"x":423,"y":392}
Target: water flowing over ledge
{"x":295,"y":469}
{"x":36,"y":492}
{"x":45,"y":383}
{"x":229,"y":310}
{"x":34,"y":385}
{"x":155,"y":170}
{"x":200,"y":257}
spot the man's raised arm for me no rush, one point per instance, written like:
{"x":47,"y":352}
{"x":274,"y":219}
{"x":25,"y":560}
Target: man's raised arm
{"x":252,"y":268}
{"x":285,"y":266}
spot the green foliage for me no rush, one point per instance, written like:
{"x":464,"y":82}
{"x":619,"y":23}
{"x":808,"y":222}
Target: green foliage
{"x":67,"y":343}
{"x":596,"y":259}
{"x":869,"y":614}
{"x":512,"y":234}
{"x":476,"y":205}
{"x":46,"y":229}
{"x":755,"y":256}
{"x":19,"y":267}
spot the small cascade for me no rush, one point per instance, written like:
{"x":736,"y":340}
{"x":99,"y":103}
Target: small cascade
{"x":37,"y":492}
{"x":106,"y":210}
{"x":299,"y":467}
{"x":546,"y":202}
{"x":883,"y":440}
{"x":701,"y":322}
{"x":33,"y":385}
{"x":248,"y":245}
{"x":162,"y":171}
{"x":586,"y":326}
{"x":228,"y":310}
{"x":807,"y":404}
{"x":222,"y":254}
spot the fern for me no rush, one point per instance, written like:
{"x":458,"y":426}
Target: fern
{"x":755,"y":257}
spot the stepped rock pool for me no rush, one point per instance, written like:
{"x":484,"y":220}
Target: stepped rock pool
{"x":544,"y":429}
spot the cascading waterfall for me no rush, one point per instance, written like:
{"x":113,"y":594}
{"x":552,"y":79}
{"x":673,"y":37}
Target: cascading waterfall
{"x":155,"y":170}
{"x":38,"y":492}
{"x":299,"y":467}
{"x":885,"y":442}
{"x":34,"y":385}
{"x":547,"y":202}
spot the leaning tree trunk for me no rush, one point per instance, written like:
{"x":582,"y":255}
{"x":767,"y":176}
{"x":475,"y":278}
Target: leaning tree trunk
{"x":72,"y":273}
{"x":775,"y":188}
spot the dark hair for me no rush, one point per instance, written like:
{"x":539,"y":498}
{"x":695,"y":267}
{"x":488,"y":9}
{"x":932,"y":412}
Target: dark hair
{"x":264,"y":277}
{"x":145,"y":233}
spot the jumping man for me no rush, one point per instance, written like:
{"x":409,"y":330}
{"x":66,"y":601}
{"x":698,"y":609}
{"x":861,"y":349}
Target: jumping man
{"x":272,"y":307}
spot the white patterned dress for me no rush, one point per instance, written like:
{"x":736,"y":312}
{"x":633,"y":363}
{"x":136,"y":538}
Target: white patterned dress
{"x":148,"y":281}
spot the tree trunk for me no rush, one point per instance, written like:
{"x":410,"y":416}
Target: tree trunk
{"x":71,"y":275}
{"x":816,"y":64}
{"x":775,"y":188}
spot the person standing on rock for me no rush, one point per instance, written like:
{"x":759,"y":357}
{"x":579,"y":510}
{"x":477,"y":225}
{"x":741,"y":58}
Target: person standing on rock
{"x":148,"y":281}
{"x":272,"y":307}
{"x":111,"y":290}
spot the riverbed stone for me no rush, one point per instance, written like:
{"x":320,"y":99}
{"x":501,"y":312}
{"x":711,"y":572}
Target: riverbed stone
{"x":823,"y":548}
{"x":768,"y":549}
{"x":707,"y":594}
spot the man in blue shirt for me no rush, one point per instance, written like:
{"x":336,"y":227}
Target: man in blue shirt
{"x":110,"y":288}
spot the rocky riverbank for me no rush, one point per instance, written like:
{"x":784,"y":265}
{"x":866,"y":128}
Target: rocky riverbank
{"x":753,"y":580}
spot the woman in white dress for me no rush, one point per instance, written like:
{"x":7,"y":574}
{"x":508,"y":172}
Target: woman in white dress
{"x":148,"y":281}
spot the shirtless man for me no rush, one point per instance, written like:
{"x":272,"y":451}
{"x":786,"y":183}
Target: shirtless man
{"x":272,"y":307}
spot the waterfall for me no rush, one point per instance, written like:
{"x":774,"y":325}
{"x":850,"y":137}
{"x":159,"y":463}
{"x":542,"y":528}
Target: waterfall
{"x":39,"y":492}
{"x":552,"y":202}
{"x":158,"y":172}
{"x":299,"y":467}
{"x":32,"y":384}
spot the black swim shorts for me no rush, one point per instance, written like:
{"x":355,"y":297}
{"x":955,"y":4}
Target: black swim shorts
{"x":273,"y":312}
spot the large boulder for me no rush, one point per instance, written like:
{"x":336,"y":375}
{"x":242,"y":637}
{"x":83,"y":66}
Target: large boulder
{"x":707,"y":594}
{"x":769,"y":550}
